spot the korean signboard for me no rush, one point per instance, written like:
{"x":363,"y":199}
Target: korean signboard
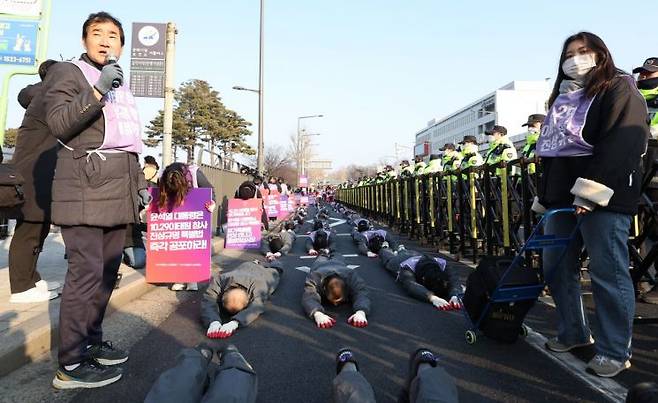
{"x":18,"y":42}
{"x":179,"y":241}
{"x":243,"y":227}
{"x":147,"y":60}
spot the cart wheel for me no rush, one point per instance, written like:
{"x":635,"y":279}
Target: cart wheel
{"x":471,"y":338}
{"x":524,"y":331}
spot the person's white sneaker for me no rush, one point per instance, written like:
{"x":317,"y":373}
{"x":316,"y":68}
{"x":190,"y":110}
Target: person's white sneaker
{"x":47,"y":285}
{"x":33,"y":295}
{"x":177,"y":287}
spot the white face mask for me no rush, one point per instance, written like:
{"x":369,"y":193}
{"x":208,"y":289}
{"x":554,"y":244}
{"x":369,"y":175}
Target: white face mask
{"x":578,"y":66}
{"x":533,"y":130}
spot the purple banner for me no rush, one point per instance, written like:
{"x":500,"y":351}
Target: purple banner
{"x":243,"y":230}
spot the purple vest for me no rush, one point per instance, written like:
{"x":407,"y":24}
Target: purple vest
{"x":122,"y":126}
{"x":562,"y":132}
{"x":413,"y":261}
{"x":370,"y":234}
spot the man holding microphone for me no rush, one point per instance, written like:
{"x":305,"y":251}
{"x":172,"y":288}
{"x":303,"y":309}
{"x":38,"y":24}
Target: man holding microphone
{"x":97,"y":190}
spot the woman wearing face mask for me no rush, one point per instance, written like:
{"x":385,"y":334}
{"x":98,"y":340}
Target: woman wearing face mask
{"x":591,"y":146}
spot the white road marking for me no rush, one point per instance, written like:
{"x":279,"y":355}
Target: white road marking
{"x":305,"y":269}
{"x":351,"y":255}
{"x":352,"y":266}
{"x":307,"y":257}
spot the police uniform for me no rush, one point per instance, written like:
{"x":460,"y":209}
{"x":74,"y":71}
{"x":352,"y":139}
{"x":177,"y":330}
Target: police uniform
{"x":500,"y":150}
{"x":531,"y":138}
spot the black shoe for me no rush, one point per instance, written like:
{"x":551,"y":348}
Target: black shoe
{"x":205,"y":350}
{"x":89,"y":374}
{"x":106,"y":354}
{"x":420,"y":356}
{"x":230,"y":357}
{"x":344,"y":356}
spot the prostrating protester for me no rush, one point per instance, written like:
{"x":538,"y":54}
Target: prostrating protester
{"x":240,"y":295}
{"x":320,"y":242}
{"x":176,"y":181}
{"x":591,"y":159}
{"x":34,"y":158}
{"x":371,"y":242}
{"x":195,"y":378}
{"x":331,"y":281}
{"x":275,"y":245}
{"x":97,"y":188}
{"x":426,"y":278}
{"x":426,"y":381}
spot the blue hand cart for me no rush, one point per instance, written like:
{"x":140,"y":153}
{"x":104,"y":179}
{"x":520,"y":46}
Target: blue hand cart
{"x":510,"y":294}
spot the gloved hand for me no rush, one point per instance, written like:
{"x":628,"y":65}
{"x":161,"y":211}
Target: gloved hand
{"x":213,"y":329}
{"x":455,"y":303}
{"x":277,"y":255}
{"x":440,"y":303}
{"x":313,"y":252}
{"x":210,"y":206}
{"x":228,"y":329}
{"x":358,"y":319}
{"x":269,"y":256}
{"x":109,"y":73}
{"x":144,"y":197}
{"x":323,"y":321}
{"x":371,"y":254}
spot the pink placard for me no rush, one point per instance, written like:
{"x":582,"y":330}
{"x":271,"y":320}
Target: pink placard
{"x":179,"y":240}
{"x":243,"y":229}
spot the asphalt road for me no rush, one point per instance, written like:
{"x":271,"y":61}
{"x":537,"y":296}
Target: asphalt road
{"x":295,"y":360}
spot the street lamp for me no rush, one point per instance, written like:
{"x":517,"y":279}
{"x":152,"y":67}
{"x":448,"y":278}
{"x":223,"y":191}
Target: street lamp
{"x":300,"y":156}
{"x":260,"y":161}
{"x":303,"y":150}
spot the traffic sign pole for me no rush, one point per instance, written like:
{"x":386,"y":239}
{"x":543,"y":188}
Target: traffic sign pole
{"x":43,"y":19}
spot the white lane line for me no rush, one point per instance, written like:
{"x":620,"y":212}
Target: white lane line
{"x":307,"y":257}
{"x":609,"y":388}
{"x":337,"y":222}
{"x":351,"y":255}
{"x":307,"y":269}
{"x":344,"y":234}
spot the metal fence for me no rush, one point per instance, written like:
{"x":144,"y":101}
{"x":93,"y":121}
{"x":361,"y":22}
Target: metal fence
{"x":479,"y":210}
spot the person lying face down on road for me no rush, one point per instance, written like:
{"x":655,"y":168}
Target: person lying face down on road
{"x":276,"y":245}
{"x":323,"y":214}
{"x":320,"y":242}
{"x":239,"y":294}
{"x":424,"y":277}
{"x":370,"y":242}
{"x":330,"y":282}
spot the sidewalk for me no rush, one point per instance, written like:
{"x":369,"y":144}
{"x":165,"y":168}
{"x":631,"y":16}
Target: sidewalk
{"x":27,"y":331}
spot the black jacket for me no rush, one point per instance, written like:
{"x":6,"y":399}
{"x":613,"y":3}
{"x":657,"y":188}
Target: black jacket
{"x":86,"y":189}
{"x":288,"y":238}
{"x":260,"y":283}
{"x":35,"y":155}
{"x":321,"y":271}
{"x":610,"y":179}
{"x":411,"y":281}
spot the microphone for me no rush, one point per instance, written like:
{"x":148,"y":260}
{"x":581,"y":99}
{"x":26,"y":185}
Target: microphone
{"x":111,"y":59}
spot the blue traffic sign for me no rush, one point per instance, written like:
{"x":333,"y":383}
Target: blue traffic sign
{"x":18,"y":42}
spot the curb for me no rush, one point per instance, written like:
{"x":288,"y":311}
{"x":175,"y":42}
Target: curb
{"x":39,"y":336}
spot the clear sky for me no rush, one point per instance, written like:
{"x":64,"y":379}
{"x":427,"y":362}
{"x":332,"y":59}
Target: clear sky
{"x":377,"y":69}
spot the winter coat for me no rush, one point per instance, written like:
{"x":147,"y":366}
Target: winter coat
{"x":260,"y":283}
{"x":35,"y":155}
{"x":324,"y":269}
{"x":288,"y":238}
{"x":87,"y":190}
{"x":610,"y":179}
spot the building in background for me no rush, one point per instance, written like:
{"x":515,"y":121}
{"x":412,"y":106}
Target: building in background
{"x":508,"y":106}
